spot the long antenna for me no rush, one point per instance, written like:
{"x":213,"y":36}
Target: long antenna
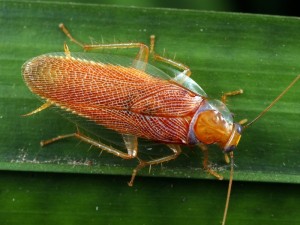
{"x":275,"y":100}
{"x":229,"y":189}
{"x":247,"y":125}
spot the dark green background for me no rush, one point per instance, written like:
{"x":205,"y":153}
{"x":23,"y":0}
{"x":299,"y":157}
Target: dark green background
{"x":225,"y":52}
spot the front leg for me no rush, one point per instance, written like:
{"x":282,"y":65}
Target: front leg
{"x":205,"y":163}
{"x":231,"y":93}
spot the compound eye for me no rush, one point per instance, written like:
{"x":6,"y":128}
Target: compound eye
{"x":239,"y":128}
{"x":230,"y":148}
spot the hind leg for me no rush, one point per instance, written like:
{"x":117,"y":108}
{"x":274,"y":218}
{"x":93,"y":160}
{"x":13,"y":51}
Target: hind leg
{"x":176,"y":152}
{"x":129,"y":155}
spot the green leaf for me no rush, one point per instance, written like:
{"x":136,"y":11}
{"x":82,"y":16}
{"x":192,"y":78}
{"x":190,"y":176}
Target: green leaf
{"x":35,"y":198}
{"x":225,"y":52}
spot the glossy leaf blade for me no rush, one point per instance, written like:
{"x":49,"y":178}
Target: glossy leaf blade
{"x":225,"y":52}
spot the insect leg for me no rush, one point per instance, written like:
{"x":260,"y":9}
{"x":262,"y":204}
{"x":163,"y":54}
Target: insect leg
{"x":140,"y":60}
{"x":231,"y":93}
{"x":205,"y":162}
{"x":224,"y":99}
{"x":89,"y":140}
{"x":42,"y":107}
{"x":175,"y":149}
{"x":186,"y":69}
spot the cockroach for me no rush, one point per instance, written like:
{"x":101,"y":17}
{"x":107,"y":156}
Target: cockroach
{"x":136,"y":103}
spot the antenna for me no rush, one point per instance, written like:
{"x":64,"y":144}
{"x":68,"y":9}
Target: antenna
{"x":247,"y":125}
{"x":275,"y":100}
{"x":229,"y":189}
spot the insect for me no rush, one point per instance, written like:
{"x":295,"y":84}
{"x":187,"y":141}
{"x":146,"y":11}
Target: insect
{"x":136,"y":102}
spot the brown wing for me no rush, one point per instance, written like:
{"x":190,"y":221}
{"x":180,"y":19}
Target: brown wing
{"x":71,"y":82}
{"x":94,"y":89}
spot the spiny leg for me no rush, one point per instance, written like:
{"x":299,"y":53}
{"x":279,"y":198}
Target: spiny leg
{"x":205,"y":162}
{"x":67,"y":50}
{"x":231,"y":93}
{"x":224,"y":99}
{"x":140,"y":60}
{"x":243,"y":121}
{"x":186,"y":69}
{"x":175,"y":149}
{"x":41,"y":108}
{"x":90,"y":141}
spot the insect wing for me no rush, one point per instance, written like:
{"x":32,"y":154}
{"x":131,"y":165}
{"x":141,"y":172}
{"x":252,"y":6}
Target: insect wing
{"x":189,"y":83}
{"x":177,"y":76}
{"x":107,"y":89}
{"x":117,"y":60}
